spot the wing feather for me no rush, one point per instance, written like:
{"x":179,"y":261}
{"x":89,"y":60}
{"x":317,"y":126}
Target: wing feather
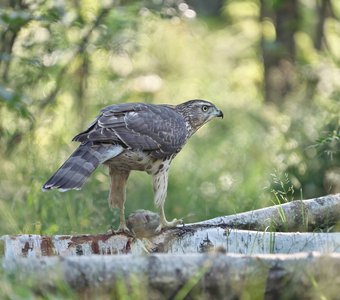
{"x":147,"y":127}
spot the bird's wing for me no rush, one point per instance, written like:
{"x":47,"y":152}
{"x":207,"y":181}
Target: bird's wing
{"x":138,"y":126}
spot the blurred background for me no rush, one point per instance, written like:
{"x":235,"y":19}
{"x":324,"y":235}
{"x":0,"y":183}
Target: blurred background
{"x":272,"y":66}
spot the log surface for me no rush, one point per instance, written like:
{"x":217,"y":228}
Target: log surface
{"x":166,"y":275}
{"x":298,"y":215}
{"x":188,"y":241}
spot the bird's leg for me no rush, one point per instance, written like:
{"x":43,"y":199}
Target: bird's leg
{"x":160,"y":186}
{"x":118,"y":195}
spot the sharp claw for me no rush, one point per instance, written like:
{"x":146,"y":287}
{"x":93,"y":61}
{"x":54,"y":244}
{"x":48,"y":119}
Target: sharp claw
{"x":176,"y":222}
{"x":123,"y":229}
{"x":167,"y":224}
{"x":159,"y":228}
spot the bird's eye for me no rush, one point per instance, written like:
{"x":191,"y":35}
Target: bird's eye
{"x":205,"y":108}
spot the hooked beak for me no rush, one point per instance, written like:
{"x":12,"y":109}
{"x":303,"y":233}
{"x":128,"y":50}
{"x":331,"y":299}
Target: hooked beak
{"x":219,"y":114}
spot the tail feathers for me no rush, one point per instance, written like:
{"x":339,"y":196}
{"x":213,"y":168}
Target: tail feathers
{"x":80,"y":165}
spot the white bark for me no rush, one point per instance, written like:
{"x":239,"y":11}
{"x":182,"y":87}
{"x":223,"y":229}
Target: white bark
{"x":203,"y":236}
{"x":164,"y":276}
{"x":299,"y":215}
{"x":182,"y":241}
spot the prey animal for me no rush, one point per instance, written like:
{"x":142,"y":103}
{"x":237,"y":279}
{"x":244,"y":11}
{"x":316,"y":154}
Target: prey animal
{"x":133,"y":136}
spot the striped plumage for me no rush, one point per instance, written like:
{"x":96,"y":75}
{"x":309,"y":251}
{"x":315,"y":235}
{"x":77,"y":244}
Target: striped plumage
{"x":133,"y":136}
{"x":80,"y":165}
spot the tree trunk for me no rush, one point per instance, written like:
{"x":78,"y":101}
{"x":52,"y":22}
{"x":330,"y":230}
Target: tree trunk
{"x":278,"y":55}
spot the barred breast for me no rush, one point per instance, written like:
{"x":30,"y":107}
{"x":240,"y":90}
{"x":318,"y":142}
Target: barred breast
{"x":136,"y":160}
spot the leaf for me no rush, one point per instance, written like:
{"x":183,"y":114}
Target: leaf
{"x":15,"y":19}
{"x":15,"y":101}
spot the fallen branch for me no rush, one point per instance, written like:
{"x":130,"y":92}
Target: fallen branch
{"x":174,"y":241}
{"x":200,"y":237}
{"x":167,"y":276}
{"x":299,"y":215}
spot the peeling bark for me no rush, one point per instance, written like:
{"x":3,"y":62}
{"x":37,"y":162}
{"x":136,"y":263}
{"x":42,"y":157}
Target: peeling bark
{"x":179,"y":241}
{"x":164,"y":276}
{"x":204,"y":236}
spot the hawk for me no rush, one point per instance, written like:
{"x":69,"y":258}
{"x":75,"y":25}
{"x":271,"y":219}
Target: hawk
{"x":133,"y":136}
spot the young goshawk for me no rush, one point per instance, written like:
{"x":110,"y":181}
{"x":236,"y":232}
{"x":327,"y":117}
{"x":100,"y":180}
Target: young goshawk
{"x":133,"y":136}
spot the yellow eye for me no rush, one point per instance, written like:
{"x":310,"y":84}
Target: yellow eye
{"x":205,"y":108}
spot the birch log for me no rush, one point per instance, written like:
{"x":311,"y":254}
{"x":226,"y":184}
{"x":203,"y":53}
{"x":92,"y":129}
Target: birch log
{"x":168,"y":276}
{"x":180,"y":241}
{"x":298,"y":215}
{"x":201,"y":237}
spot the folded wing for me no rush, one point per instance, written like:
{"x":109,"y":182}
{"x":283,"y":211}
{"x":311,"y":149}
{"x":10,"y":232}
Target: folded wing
{"x":156,"y":128}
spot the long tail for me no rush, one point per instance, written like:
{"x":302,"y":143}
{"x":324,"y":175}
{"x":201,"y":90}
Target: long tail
{"x":80,"y":165}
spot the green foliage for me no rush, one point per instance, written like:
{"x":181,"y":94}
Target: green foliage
{"x":59,"y":64}
{"x":15,"y":102}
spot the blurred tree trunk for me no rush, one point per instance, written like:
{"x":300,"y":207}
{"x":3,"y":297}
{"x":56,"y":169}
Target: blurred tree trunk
{"x":8,"y":37}
{"x":278,"y":55}
{"x":324,"y":11}
{"x":81,"y":77}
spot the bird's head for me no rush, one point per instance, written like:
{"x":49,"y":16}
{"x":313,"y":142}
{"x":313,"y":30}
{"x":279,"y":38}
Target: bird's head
{"x":198,"y":112}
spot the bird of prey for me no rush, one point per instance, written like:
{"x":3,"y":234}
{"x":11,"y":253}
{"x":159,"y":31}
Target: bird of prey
{"x":133,"y":136}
